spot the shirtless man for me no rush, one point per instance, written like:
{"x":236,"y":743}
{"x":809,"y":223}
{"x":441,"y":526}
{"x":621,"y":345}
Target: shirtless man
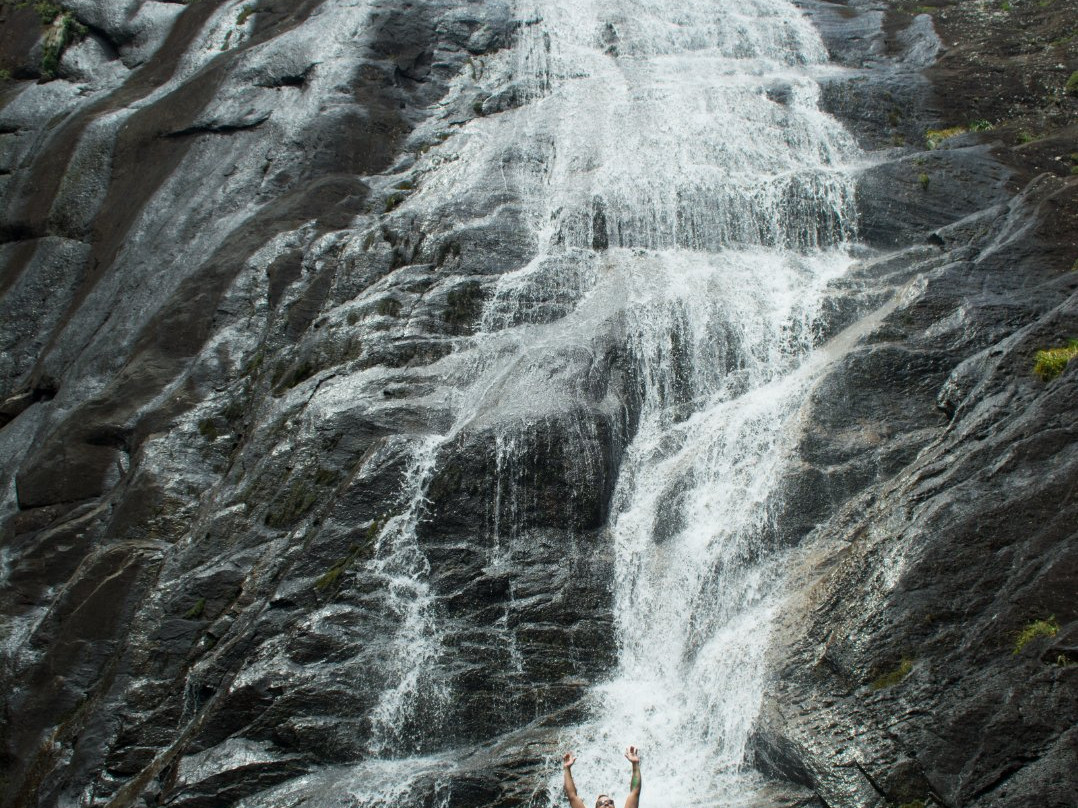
{"x":604,"y":800}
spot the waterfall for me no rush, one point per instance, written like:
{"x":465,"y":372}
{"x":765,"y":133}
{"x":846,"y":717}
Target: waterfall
{"x":687,"y":200}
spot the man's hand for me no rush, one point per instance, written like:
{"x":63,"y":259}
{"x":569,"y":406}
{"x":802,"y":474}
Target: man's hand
{"x":632,"y":754}
{"x":567,"y":761}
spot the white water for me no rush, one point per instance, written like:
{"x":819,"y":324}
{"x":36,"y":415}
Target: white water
{"x":686,"y":136}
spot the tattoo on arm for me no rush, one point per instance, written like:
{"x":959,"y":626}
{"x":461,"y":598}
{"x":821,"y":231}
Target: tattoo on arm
{"x":635,"y":783}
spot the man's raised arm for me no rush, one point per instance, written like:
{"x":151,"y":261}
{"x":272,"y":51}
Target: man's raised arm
{"x":633,"y":756}
{"x":567,"y":775}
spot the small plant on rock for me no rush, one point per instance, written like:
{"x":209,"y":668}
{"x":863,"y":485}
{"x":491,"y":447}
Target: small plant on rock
{"x":892,"y":678}
{"x":388,"y":307}
{"x":1038,"y":628}
{"x":935,"y":137}
{"x":1071,"y":87}
{"x":924,"y":179}
{"x":1050,"y":362}
{"x":208,"y":429}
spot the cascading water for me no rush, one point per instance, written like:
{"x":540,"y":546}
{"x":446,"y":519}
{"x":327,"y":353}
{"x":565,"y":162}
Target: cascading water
{"x":687,"y":199}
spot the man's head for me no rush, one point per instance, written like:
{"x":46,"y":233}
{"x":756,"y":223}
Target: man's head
{"x":604,"y":801}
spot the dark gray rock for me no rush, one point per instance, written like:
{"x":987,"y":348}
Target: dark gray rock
{"x":226,"y":326}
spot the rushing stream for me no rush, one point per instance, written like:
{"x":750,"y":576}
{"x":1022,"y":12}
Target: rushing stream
{"x":688,"y":200}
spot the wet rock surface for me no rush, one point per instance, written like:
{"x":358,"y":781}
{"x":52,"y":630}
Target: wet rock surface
{"x":900,"y":674}
{"x":222,"y":326}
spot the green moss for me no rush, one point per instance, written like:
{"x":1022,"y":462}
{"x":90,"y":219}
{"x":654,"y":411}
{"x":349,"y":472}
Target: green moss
{"x":234,"y":411}
{"x":64,"y":29}
{"x":1071,"y":87}
{"x":980,"y":125}
{"x":464,"y":304}
{"x":1050,"y":362}
{"x":924,"y":179}
{"x":394,"y":201}
{"x":445,"y":250}
{"x":245,"y":13}
{"x":296,"y":375}
{"x":195,"y":611}
{"x":330,"y":578}
{"x":893,"y":677}
{"x":47,"y":11}
{"x":1038,"y":628}
{"x":325,"y":477}
{"x":1024,"y":137}
{"x":299,"y":499}
{"x":254,"y":364}
{"x":935,"y":137}
{"x":208,"y":429}
{"x":5,"y":75}
{"x":388,"y":307}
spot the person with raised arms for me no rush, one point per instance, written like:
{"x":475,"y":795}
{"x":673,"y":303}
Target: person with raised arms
{"x":632,"y":754}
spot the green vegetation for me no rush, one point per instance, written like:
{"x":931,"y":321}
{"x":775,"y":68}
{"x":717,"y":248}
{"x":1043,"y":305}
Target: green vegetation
{"x":394,"y":201}
{"x":64,"y":30}
{"x":195,"y":611}
{"x":296,"y":502}
{"x":285,"y":378}
{"x":208,"y":429}
{"x":1050,"y":362}
{"x":934,"y":137}
{"x":893,"y":677}
{"x":446,"y":249}
{"x":5,"y":75}
{"x":980,"y":125}
{"x":924,"y":179}
{"x":1038,"y":628}
{"x":328,"y":580}
{"x":1071,"y":87}
{"x":245,"y":13}
{"x":464,"y":304}
{"x":325,"y":477}
{"x":388,"y":307}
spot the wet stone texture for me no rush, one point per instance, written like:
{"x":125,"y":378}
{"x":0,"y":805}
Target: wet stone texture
{"x":939,"y":470}
{"x":223,"y":333}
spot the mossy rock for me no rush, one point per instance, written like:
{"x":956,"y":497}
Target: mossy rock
{"x":464,"y":305}
{"x":893,"y":677}
{"x":388,"y":307}
{"x":297,"y":501}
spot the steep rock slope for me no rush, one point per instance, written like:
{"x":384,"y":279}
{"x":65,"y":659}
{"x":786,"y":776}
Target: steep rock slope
{"x":927,"y":653}
{"x":219,"y":319}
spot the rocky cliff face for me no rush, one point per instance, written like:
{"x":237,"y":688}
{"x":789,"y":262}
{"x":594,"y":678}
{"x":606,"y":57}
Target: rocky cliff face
{"x":928,"y":652}
{"x":258,"y":545}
